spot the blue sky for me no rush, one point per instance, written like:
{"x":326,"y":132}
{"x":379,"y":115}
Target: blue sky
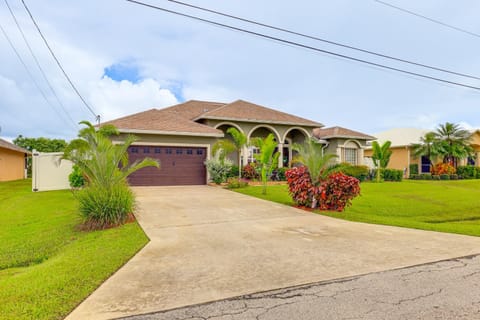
{"x":125,"y":59}
{"x":123,"y":70}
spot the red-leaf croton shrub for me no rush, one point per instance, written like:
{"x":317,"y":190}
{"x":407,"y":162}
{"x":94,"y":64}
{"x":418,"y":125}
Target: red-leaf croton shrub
{"x":300,"y":186}
{"x":335,"y":193}
{"x":338,"y":191}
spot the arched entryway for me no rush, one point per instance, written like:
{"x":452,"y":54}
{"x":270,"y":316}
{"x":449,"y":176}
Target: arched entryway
{"x":224,"y":126}
{"x":260,"y":131}
{"x":292,"y":136}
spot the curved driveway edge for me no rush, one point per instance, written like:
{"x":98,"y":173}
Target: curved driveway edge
{"x":209,"y":244}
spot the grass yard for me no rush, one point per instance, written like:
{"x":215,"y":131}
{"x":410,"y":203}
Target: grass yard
{"x":46,"y":266}
{"x":446,"y":206}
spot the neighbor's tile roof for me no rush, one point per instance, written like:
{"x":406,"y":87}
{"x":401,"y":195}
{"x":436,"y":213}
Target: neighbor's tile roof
{"x":246,"y":111}
{"x":400,"y":137}
{"x":7,"y":145}
{"x":339,"y":132}
{"x":181,"y":118}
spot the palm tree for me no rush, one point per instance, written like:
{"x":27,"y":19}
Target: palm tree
{"x":222,"y":148}
{"x":101,"y":161}
{"x":240,"y":141}
{"x":311,"y":155}
{"x":453,"y":142}
{"x":427,"y":147}
{"x":267,"y":158}
{"x":381,"y":156}
{"x":227,"y":146}
{"x":106,"y":199}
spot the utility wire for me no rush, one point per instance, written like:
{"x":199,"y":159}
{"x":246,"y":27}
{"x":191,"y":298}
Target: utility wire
{"x":28,"y":71}
{"x":429,"y":19}
{"x":288,"y":42}
{"x":324,"y":40}
{"x":38,"y":64}
{"x":97,"y":117}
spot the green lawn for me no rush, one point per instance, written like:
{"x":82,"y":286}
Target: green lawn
{"x":447,"y":206}
{"x":47,"y":267}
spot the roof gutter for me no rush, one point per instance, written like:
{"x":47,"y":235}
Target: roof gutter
{"x":173,"y":133}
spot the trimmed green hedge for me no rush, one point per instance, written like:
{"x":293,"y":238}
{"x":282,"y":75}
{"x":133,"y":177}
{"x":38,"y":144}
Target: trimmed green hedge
{"x":359,"y":172}
{"x":468,"y":172}
{"x":413,"y":168}
{"x":392,"y":175}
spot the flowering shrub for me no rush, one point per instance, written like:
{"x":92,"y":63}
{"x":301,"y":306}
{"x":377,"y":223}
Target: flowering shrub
{"x":338,"y":191}
{"x":234,"y":183}
{"x":335,"y":193}
{"x":250,"y":172}
{"x":300,"y":186}
{"x":442,"y":168}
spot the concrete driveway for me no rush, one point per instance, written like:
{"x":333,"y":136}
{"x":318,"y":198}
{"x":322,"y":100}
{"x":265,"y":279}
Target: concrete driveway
{"x":209,"y":244}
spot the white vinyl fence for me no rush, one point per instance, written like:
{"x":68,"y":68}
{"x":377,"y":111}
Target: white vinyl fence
{"x":49,"y":172}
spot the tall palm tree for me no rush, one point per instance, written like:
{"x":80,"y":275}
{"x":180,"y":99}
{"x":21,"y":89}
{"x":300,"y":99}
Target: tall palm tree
{"x":267,"y":158}
{"x":240,"y":141}
{"x":319,"y":165}
{"x":222,"y":148}
{"x":453,"y":142}
{"x":381,"y":156}
{"x":427,"y":147}
{"x":102,"y":162}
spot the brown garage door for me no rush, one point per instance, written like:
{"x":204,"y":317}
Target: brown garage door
{"x":178,"y":166}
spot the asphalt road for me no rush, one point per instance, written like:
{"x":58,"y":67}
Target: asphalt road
{"x":442,"y":290}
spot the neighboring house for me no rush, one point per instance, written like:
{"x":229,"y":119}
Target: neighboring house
{"x":347,"y":144}
{"x":12,"y":161}
{"x":181,"y":137}
{"x":402,"y":152}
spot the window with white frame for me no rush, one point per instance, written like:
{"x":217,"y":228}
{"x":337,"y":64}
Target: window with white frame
{"x":252,"y":151}
{"x":350,"y":155}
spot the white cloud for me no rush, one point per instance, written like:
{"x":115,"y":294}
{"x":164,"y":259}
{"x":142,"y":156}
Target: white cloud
{"x":113,"y":99}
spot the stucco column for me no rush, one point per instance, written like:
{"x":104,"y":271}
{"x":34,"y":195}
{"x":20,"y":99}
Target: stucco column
{"x":477,"y":160}
{"x":339,"y":155}
{"x":244,"y":156}
{"x":280,"y":158}
{"x":290,"y":155}
{"x":360,"y":156}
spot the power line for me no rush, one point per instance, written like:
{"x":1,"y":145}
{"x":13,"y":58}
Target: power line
{"x":97,"y":117}
{"x":429,"y":19}
{"x":28,"y":71}
{"x":293,"y":43}
{"x":324,"y":40}
{"x":38,"y":64}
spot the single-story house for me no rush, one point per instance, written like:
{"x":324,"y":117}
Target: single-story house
{"x":181,"y":137}
{"x":402,"y":152}
{"x":347,"y":144}
{"x":13,"y":161}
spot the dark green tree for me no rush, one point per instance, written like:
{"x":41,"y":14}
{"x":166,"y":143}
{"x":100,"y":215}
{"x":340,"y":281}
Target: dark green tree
{"x":40,"y":144}
{"x":381,"y":156}
{"x":453,"y":142}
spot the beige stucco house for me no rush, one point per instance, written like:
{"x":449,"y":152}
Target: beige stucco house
{"x":402,"y":153}
{"x":12,"y":161}
{"x":181,"y":137}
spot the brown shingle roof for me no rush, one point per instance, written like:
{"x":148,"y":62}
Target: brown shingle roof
{"x":10,"y":146}
{"x":246,"y":111}
{"x":339,"y":132}
{"x":192,"y":109}
{"x":180,"y":118}
{"x":163,"y":121}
